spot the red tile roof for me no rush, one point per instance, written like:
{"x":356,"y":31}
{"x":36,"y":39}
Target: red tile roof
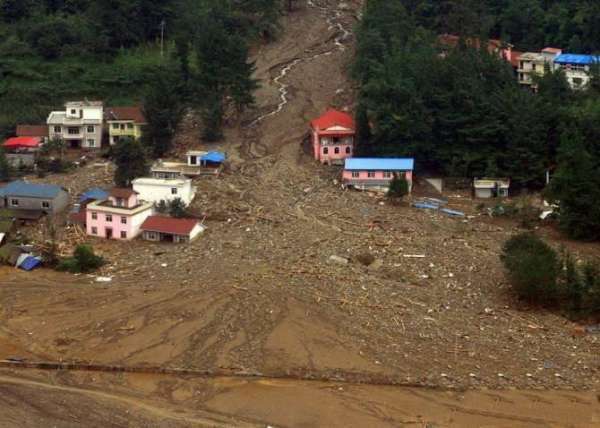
{"x":333,"y":118}
{"x":174,"y":226}
{"x":119,"y":192}
{"x":22,"y":142}
{"x":134,"y":113}
{"x":32,"y":131}
{"x":552,"y":50}
{"x":515,"y":57}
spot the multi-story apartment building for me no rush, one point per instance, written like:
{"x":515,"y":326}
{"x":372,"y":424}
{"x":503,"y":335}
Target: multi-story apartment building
{"x":533,"y":65}
{"x":577,"y":68}
{"x":80,"y":125}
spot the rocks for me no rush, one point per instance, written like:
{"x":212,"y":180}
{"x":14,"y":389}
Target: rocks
{"x":338,"y":260}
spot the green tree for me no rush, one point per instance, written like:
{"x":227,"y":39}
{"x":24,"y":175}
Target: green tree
{"x":575,"y":187}
{"x":84,"y":260}
{"x":163,"y":109}
{"x":177,"y":208}
{"x":6,"y":170}
{"x":130,"y":158}
{"x":399,"y":187}
{"x":533,"y":268}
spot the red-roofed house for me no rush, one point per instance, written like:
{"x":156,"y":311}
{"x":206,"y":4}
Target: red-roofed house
{"x":504,"y":50}
{"x":156,"y":228}
{"x":27,"y":143}
{"x":124,"y":122}
{"x":333,"y":137}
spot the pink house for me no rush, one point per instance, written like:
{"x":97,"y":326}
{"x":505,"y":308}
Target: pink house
{"x":332,"y":137}
{"x":369,"y":173}
{"x":118,"y":217}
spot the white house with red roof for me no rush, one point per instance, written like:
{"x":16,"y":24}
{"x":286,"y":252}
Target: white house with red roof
{"x":157,"y":228}
{"x":332,"y":137}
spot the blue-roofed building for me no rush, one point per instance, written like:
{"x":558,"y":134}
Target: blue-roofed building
{"x":30,"y":199}
{"x":576,"y":68}
{"x":376,"y":173}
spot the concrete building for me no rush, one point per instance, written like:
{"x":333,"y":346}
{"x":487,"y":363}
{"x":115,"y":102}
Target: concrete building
{"x":577,"y":68}
{"x":80,"y":125}
{"x":118,"y":217}
{"x":31,"y":201}
{"x":168,"y":229}
{"x":161,"y":189}
{"x":124,"y":122}
{"x":533,"y":65}
{"x":376,"y":173}
{"x":332,"y":137}
{"x":491,"y":188}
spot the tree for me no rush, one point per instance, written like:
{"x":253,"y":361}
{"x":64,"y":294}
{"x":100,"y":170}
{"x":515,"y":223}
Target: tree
{"x":575,"y":187}
{"x":6,"y":170}
{"x":83,"y":261}
{"x":177,"y":208}
{"x":363,"y":132}
{"x":533,"y":268}
{"x":130,"y":159}
{"x":163,"y":109}
{"x":399,"y":187}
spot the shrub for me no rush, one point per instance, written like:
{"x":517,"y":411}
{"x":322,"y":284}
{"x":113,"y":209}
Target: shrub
{"x":398,"y":187}
{"x":533,"y":268}
{"x":177,"y":208}
{"x":84,"y":260}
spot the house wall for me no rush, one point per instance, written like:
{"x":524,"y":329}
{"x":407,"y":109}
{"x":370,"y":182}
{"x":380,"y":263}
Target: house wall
{"x":83,"y":134}
{"x":18,"y":159}
{"x":135,"y":131}
{"x":131,"y":227}
{"x":332,"y":156}
{"x":57,"y":205}
{"x":377,"y":180}
{"x":150,"y":192}
{"x":129,"y":202}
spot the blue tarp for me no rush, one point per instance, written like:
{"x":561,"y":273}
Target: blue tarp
{"x":94,"y":193}
{"x":214,"y":157}
{"x":425,"y":206}
{"x":577,"y":59}
{"x":30,"y":263}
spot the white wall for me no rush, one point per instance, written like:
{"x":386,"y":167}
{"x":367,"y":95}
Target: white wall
{"x":150,"y":191}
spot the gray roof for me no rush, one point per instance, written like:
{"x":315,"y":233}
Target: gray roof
{"x":31,"y":190}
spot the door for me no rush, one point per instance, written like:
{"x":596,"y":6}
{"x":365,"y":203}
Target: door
{"x":109,"y":233}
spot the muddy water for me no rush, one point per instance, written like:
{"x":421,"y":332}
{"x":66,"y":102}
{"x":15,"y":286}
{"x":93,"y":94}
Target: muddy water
{"x":241,"y":402}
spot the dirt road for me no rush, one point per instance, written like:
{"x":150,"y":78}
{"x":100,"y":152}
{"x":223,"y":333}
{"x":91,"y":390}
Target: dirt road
{"x":259,"y":293}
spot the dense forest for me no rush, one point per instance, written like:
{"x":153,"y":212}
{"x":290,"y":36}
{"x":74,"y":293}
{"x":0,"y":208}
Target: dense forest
{"x":54,"y":50}
{"x":462,"y":112}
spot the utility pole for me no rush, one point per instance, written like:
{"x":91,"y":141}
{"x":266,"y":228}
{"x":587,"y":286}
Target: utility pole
{"x":162,"y":37}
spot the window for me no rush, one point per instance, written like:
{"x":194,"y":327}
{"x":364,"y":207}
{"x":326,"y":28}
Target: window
{"x":45,"y":204}
{"x":371,"y":174}
{"x":94,"y":216}
{"x":348,"y":150}
{"x":14,"y":202}
{"x":115,"y":126}
{"x":521,"y":65}
{"x":91,"y":143}
{"x":533,"y":67}
{"x":337,"y":150}
{"x":173,"y":190}
{"x":325,"y":150}
{"x":115,"y":140}
{"x":355,"y":174}
{"x":120,"y":202}
{"x":123,"y":220}
{"x":57,"y":129}
{"x":108,"y":217}
{"x":577,"y":81}
{"x":73,"y":131}
{"x":123,"y":234}
{"x":130,"y":126}
{"x":122,"y":126}
{"x":94,"y":230}
{"x":90,"y":129}
{"x":73,"y":111}
{"x":387,"y":174}
{"x":336,"y":140}
{"x":151,"y":235}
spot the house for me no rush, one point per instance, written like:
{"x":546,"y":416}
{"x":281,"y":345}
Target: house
{"x":491,"y":187}
{"x":376,"y":173}
{"x":80,"y":125}
{"x":198,"y":162}
{"x":30,"y":201}
{"x":164,"y":189}
{"x":332,"y":137}
{"x":78,"y":214}
{"x":533,"y":65}
{"x":40,"y":131}
{"x":124,"y":122}
{"x":502,"y":49}
{"x":168,"y":229}
{"x":21,"y":151}
{"x":117,"y":217}
{"x":576,"y":67}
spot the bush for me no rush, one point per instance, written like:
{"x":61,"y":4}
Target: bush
{"x":398,"y":187}
{"x":533,"y":268}
{"x":84,"y":260}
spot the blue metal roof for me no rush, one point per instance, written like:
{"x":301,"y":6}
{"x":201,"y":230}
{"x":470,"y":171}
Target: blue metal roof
{"x":21,"y":188}
{"x":576,"y":59}
{"x":216,"y":157}
{"x":380,"y":164}
{"x":95,"y":193}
